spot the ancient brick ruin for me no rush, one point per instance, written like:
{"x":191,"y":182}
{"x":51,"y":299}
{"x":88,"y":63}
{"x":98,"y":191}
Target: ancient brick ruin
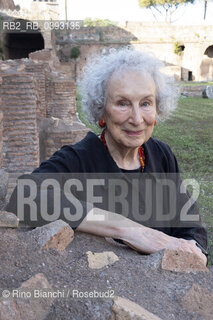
{"x":1,"y":138}
{"x":37,"y":112}
{"x":192,"y":61}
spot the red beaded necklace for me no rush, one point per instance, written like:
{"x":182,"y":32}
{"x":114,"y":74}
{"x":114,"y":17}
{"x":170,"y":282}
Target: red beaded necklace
{"x":140,"y":151}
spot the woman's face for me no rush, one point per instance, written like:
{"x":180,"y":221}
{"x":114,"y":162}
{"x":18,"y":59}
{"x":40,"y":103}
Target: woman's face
{"x":130,"y":108}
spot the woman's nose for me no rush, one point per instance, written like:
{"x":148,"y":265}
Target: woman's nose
{"x":136,"y":117}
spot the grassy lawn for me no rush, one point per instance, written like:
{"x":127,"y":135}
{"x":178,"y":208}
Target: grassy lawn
{"x":189,"y":132}
{"x":192,"y":83}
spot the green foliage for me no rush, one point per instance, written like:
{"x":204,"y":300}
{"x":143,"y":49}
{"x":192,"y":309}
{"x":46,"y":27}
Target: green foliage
{"x":100,"y":33}
{"x":178,"y":48}
{"x":88,"y":22}
{"x":82,"y":116}
{"x":163,"y":7}
{"x":194,"y":83}
{"x":75,"y":53}
{"x":1,"y":51}
{"x":57,"y":33}
{"x":166,"y":3}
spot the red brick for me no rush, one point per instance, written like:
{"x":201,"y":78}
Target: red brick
{"x":181,"y":261}
{"x":57,"y":234}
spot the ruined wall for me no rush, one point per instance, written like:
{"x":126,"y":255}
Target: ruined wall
{"x":38,"y":102}
{"x":206,"y":69}
{"x":102,"y":34}
{"x":61,"y":98}
{"x":7,"y":4}
{"x":56,"y":90}
{"x":1,"y":138}
{"x":58,"y":133}
{"x":21,"y":143}
{"x":39,"y":73}
{"x":159,"y":39}
{"x":31,"y":9}
{"x":38,"y":70}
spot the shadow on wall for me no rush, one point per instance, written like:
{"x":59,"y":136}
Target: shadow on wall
{"x":206,"y":67}
{"x":187,"y":75}
{"x":17,"y":45}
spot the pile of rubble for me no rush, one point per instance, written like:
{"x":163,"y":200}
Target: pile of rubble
{"x":37,"y":112}
{"x":51,"y":273}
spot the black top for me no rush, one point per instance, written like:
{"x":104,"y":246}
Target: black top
{"x":91,"y":156}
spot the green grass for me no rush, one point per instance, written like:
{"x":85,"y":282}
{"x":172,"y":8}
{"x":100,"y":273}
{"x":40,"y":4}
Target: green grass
{"x":82,"y":115}
{"x":189,"y":133}
{"x":192,"y":83}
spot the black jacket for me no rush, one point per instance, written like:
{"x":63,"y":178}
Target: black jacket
{"x":90,"y":156}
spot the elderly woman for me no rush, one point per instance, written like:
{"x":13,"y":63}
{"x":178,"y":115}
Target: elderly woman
{"x":125,"y":92}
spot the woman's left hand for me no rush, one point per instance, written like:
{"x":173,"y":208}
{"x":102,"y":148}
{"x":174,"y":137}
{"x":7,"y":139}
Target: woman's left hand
{"x":148,"y":240}
{"x":192,"y":247}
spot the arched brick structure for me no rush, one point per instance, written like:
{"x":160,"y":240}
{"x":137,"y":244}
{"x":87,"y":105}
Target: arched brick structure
{"x":206,"y":67}
{"x":160,"y":39}
{"x":20,"y":45}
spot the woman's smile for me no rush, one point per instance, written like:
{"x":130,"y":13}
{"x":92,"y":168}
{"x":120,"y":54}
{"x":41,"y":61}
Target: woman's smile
{"x":133,"y":133}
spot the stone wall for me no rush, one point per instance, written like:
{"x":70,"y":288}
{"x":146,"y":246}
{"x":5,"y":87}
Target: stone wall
{"x":36,"y":94}
{"x":21,"y":143}
{"x":7,"y":4}
{"x":58,"y":133}
{"x":103,"y":34}
{"x":159,"y":39}
{"x":192,"y":91}
{"x":43,"y":55}
{"x":39,"y":73}
{"x":31,"y":10}
{"x":61,"y":98}
{"x":1,"y":138}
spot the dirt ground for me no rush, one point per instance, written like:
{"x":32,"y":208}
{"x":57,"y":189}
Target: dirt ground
{"x":135,"y":276}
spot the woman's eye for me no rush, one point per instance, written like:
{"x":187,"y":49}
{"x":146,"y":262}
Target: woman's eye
{"x":146,"y":104}
{"x":123,"y":103}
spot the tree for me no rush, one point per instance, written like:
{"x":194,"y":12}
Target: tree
{"x":205,"y":8}
{"x":88,"y":22}
{"x":163,"y":7}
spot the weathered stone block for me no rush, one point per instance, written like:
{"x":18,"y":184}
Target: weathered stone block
{"x":57,"y":235}
{"x":98,"y":260}
{"x":208,"y":92}
{"x":8,"y":220}
{"x":126,"y":310}
{"x":1,"y":137}
{"x":199,"y":300}
{"x":181,"y":261}
{"x":27,"y":308}
{"x":3,"y":187}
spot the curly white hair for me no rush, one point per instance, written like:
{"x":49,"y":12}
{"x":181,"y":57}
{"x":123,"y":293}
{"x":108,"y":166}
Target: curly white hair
{"x":100,"y":68}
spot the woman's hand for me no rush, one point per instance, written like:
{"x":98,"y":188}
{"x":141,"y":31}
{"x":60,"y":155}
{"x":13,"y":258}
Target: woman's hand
{"x":190,"y":246}
{"x":149,"y":240}
{"x":135,"y":235}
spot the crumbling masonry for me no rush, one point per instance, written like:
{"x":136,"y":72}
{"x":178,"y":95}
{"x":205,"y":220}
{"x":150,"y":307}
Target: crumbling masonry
{"x":37,"y":112}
